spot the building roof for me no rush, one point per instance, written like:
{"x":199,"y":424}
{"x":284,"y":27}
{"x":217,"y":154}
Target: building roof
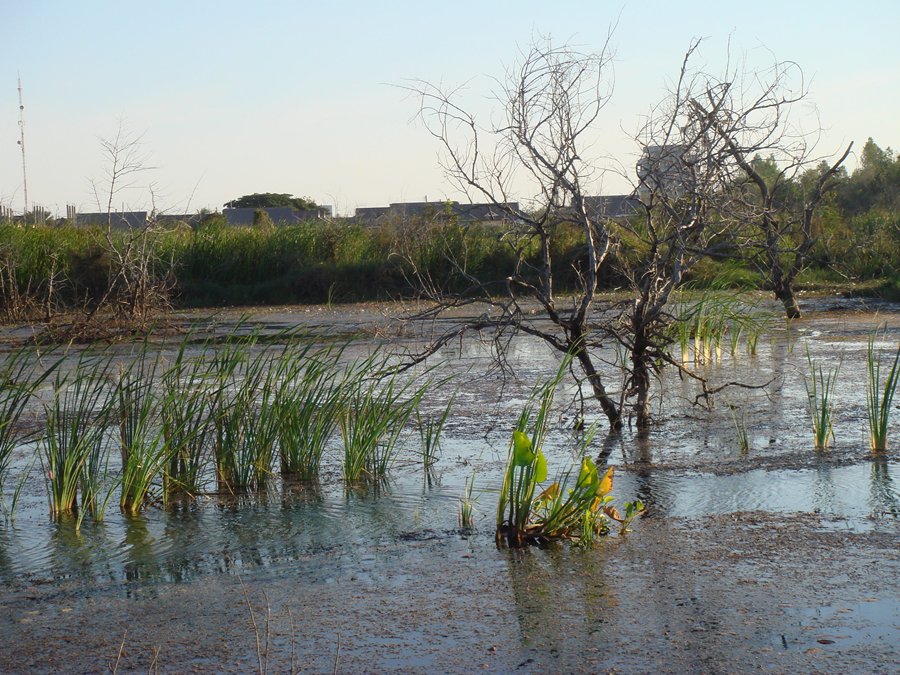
{"x":611,"y":206}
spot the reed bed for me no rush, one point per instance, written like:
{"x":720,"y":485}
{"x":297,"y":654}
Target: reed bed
{"x":222,"y":417}
{"x":702,"y":326}
{"x":376,"y":410}
{"x":880,"y":389}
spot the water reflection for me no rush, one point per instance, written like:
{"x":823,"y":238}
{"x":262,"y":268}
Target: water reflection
{"x":824,"y":492}
{"x":884,"y":498}
{"x":561,"y":596}
{"x":857,"y":492}
{"x":139,"y":550}
{"x":87,"y":552}
{"x":5,"y":561}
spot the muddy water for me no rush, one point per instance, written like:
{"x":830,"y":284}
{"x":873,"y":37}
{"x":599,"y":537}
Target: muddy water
{"x":778,"y":557}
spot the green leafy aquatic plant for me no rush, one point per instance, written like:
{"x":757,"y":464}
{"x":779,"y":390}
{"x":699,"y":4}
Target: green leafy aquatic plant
{"x":526,"y":465}
{"x":880,"y":394}
{"x":820,"y":387}
{"x":567,"y":509}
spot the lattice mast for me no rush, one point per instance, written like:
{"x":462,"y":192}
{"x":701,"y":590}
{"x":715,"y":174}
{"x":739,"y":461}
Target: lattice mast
{"x":22,"y":146}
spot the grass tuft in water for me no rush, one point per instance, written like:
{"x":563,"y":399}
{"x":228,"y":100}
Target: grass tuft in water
{"x":375,"y":412}
{"x":74,"y":453}
{"x":145,"y":452}
{"x":467,"y":506}
{"x":245,"y":416}
{"x":740,"y":427}
{"x":430,"y":429}
{"x":820,"y":387}
{"x":308,"y":409}
{"x":706,"y":320}
{"x":20,"y":375}
{"x":880,"y":395}
{"x":188,"y":392}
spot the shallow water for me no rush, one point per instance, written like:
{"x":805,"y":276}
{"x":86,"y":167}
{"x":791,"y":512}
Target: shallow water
{"x":688,"y":470}
{"x":296,"y":523}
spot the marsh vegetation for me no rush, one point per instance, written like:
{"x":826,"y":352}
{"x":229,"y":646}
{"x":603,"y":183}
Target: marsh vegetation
{"x":229,"y":492}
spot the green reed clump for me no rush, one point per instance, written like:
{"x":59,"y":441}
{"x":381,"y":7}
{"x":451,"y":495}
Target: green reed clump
{"x":74,"y":453}
{"x":376,"y":409}
{"x":820,"y":387}
{"x":20,"y":375}
{"x":145,"y":452}
{"x":308,"y":406}
{"x":188,"y":395}
{"x":880,"y":394}
{"x":706,"y":322}
{"x":246,"y":421}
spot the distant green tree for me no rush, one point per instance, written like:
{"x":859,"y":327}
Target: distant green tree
{"x":874,"y":184}
{"x":265,"y":200}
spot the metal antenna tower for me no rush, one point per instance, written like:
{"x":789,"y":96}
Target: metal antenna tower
{"x":22,"y":145}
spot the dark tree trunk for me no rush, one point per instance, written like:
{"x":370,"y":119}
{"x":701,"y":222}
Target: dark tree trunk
{"x":785,"y":293}
{"x":610,"y":409}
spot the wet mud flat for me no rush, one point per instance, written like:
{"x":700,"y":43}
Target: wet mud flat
{"x":732,"y":593}
{"x":778,"y":558}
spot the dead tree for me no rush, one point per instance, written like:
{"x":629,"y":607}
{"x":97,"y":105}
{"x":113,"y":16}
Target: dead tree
{"x":139,"y":280}
{"x":751,"y":115}
{"x":680,"y":196}
{"x":550,"y":100}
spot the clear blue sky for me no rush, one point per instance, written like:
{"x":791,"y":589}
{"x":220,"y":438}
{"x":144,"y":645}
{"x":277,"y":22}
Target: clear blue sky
{"x":240,"y":97}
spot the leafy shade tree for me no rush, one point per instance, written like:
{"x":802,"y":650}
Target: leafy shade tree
{"x":874,"y":184}
{"x":265,"y":200}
